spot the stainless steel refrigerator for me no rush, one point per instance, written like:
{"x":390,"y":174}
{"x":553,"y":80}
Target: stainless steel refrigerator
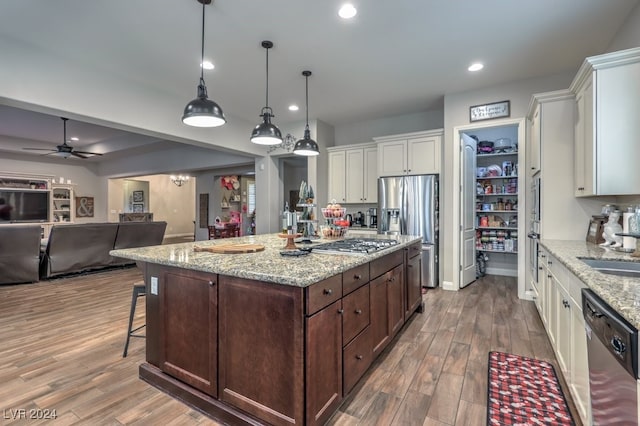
{"x":408,"y":205}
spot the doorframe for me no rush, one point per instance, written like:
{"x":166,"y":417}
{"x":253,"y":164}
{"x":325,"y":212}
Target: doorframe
{"x":522,"y":188}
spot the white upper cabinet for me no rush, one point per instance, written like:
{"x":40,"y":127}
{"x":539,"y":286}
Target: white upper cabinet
{"x":353,"y":174}
{"x":607,"y":89}
{"x":410,"y":153}
{"x":534,"y":140}
{"x":337,"y":177}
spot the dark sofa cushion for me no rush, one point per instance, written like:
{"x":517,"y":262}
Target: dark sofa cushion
{"x":78,"y":247}
{"x":19,"y":253}
{"x":137,"y":234}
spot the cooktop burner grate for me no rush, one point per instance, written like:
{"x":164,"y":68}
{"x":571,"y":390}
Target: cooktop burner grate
{"x":355,"y":246}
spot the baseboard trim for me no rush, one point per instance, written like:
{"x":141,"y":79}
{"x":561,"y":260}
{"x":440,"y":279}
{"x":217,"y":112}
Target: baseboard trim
{"x":448,"y":285}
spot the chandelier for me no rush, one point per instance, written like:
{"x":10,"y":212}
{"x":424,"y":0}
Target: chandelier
{"x":288,"y":143}
{"x":179,"y":180}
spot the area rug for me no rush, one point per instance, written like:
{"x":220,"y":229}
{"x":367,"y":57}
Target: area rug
{"x":524,"y":391}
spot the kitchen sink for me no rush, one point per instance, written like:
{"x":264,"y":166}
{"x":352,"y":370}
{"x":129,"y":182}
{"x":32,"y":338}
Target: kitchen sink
{"x":614,"y":267}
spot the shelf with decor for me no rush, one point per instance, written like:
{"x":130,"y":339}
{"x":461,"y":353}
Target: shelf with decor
{"x":62,"y":203}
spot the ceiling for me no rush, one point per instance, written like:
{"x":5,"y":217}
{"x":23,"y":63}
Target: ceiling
{"x":395,"y":57}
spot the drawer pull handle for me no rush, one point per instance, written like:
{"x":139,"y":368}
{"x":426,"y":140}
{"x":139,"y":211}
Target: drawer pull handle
{"x":340,"y":311}
{"x":357,"y":277}
{"x":409,"y":266}
{"x":327,"y":291}
{"x":359,"y":357}
{"x":358,"y":311}
{"x":549,"y":262}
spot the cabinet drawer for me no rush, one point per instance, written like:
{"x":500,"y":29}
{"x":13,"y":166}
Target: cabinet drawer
{"x":354,"y":278}
{"x":357,"y":359}
{"x":323,"y":293}
{"x":413,"y":250}
{"x":386,"y":263}
{"x":355,"y":315}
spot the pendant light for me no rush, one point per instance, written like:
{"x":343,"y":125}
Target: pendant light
{"x":306,"y":146}
{"x":266,"y":133}
{"x":203,"y":112}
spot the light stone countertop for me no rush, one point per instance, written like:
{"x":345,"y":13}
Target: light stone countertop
{"x":621,"y":293}
{"x":268,"y":265}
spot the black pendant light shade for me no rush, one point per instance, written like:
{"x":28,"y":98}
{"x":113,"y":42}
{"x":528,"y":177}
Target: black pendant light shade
{"x":202,"y":111}
{"x":266,"y":133}
{"x":306,"y":146}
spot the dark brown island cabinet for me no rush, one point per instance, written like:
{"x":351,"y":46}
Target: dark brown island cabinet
{"x":252,"y":352}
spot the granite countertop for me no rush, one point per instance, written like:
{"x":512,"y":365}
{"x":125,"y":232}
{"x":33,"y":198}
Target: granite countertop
{"x":621,"y":293}
{"x":268,"y":265}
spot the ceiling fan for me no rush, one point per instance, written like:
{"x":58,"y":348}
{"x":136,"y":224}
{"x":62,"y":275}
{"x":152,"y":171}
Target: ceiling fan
{"x":65,"y":150}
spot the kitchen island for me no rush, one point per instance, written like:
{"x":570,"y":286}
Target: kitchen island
{"x":261,"y":338}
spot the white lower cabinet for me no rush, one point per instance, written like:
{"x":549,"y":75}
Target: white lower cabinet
{"x":561,"y":313}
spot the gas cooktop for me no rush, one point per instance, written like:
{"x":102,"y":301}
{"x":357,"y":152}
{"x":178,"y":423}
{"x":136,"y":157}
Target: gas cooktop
{"x":354,"y":246}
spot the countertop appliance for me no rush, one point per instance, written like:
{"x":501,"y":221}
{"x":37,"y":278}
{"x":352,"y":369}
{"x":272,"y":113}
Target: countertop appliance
{"x":354,"y":246}
{"x":373,"y":217}
{"x":408,"y":205}
{"x":612,"y":350}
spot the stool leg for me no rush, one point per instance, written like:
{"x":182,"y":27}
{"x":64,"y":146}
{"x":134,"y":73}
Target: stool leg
{"x":134,"y":300}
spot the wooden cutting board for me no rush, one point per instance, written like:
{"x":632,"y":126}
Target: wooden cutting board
{"x":231,"y":248}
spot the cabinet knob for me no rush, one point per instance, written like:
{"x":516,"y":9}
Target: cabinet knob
{"x":327,"y":291}
{"x":211,"y":283}
{"x":357,"y":277}
{"x":565,"y":303}
{"x":549,"y":276}
{"x":359,"y":357}
{"x":409,"y":266}
{"x":549,"y":262}
{"x":540,"y":268}
{"x":340,"y":311}
{"x":358,"y":311}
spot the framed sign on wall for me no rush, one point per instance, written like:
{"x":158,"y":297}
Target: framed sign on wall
{"x":490,"y":111}
{"x":84,"y":206}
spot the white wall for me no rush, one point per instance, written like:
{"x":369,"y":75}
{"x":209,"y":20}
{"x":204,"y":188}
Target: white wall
{"x":628,"y":35}
{"x":365,"y":131}
{"x":82,"y":174}
{"x":456,"y":113}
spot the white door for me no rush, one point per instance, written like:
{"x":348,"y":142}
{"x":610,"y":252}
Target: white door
{"x":337,"y":165}
{"x":371,"y":175}
{"x":392,"y":158}
{"x":467,"y":210}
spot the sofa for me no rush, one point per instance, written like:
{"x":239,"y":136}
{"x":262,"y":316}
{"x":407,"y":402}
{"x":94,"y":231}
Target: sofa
{"x":19,"y":253}
{"x":84,"y":247}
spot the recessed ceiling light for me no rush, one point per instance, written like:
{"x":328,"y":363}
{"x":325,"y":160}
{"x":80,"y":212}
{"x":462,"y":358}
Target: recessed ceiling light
{"x":347,"y":11}
{"x":293,"y":107}
{"x":75,"y":139}
{"x":208,"y":65}
{"x":475,"y":67}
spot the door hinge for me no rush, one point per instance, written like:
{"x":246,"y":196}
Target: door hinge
{"x":460,"y":268}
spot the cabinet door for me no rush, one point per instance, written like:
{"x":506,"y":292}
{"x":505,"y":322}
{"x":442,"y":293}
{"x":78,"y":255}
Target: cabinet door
{"x":379,"y":314}
{"x":534,"y":147}
{"x":414,"y":285}
{"x":423,"y":155}
{"x":584,"y":165}
{"x":579,"y":363}
{"x":371,"y":175}
{"x":189,"y":354}
{"x":563,"y":329}
{"x":392,"y":158}
{"x":323,"y":367}
{"x":395,"y":299}
{"x":354,"y":176}
{"x":337,"y":179}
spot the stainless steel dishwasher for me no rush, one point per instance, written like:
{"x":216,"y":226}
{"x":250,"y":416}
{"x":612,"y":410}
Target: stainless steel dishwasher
{"x":612,"y":348}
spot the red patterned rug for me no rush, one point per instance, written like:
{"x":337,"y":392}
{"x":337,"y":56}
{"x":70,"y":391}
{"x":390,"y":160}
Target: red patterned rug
{"x":524,"y":391}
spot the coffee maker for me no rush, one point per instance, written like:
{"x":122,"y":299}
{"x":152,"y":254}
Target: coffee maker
{"x":373,"y":218}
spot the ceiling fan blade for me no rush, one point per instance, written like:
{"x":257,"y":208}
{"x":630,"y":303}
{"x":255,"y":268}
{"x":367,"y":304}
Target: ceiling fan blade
{"x":86,"y":152}
{"x":39,"y":149}
{"x":77,"y":154}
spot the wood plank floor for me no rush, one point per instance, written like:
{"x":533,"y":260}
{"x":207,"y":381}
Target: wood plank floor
{"x":62,"y":343}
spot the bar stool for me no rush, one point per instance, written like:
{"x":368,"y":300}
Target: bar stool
{"x":139,"y":289}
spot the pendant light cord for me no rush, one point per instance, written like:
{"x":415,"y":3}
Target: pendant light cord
{"x":267,"y":96}
{"x":306,"y":81}
{"x":202,"y":51}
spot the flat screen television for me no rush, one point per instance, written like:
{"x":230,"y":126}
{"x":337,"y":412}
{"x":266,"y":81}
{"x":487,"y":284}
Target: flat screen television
{"x":24,"y":206}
